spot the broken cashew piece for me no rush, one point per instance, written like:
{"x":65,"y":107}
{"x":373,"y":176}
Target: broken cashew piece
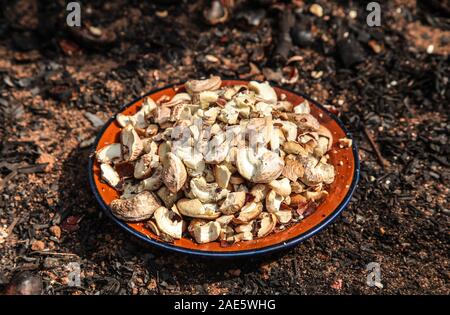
{"x":247,"y":227}
{"x":222,"y":175}
{"x":233,"y":202}
{"x":168,"y":222}
{"x":109,"y":175}
{"x":249,"y":212}
{"x":259,"y":191}
{"x":138,"y":120}
{"x":109,"y":154}
{"x":132,"y":145}
{"x":195,"y":209}
{"x":153,"y":182}
{"x":206,"y":192}
{"x":262,"y":169}
{"x":174,"y":173}
{"x":137,"y":208}
{"x":178,"y":99}
{"x":145,"y":164}
{"x":205,"y":233}
{"x":268,"y":222}
{"x":283,"y":216}
{"x":197,"y":86}
{"x":273,"y":201}
{"x":264,"y":91}
{"x":167,"y":197}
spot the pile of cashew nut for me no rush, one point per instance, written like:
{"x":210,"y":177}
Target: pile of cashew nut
{"x":218,"y":163}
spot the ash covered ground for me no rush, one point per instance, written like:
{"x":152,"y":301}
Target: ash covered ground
{"x":389,"y":85}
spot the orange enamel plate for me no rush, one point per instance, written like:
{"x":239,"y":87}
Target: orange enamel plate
{"x":344,"y":160}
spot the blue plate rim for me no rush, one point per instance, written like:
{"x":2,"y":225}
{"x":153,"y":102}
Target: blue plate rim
{"x":228,"y":254}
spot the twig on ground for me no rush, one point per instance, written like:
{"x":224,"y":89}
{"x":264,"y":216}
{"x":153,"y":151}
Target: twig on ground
{"x":42,"y":252}
{"x":11,"y":227}
{"x":375,"y":147}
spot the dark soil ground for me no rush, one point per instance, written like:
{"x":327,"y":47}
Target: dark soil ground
{"x":389,"y":84}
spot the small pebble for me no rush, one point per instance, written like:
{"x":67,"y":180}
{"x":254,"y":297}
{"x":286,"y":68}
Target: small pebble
{"x":316,"y":9}
{"x":162,"y":14}
{"x":38,"y":246}
{"x":95,"y":31}
{"x":316,"y":74}
{"x":212,"y":58}
{"x":379,"y":285}
{"x":88,"y":142}
{"x":360,"y":219}
{"x":94,"y":119}
{"x":376,"y":48}
{"x":337,"y":285}
{"x":46,"y":158}
{"x":435,"y":175}
{"x":56,"y":231}
{"x":8,"y":81}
